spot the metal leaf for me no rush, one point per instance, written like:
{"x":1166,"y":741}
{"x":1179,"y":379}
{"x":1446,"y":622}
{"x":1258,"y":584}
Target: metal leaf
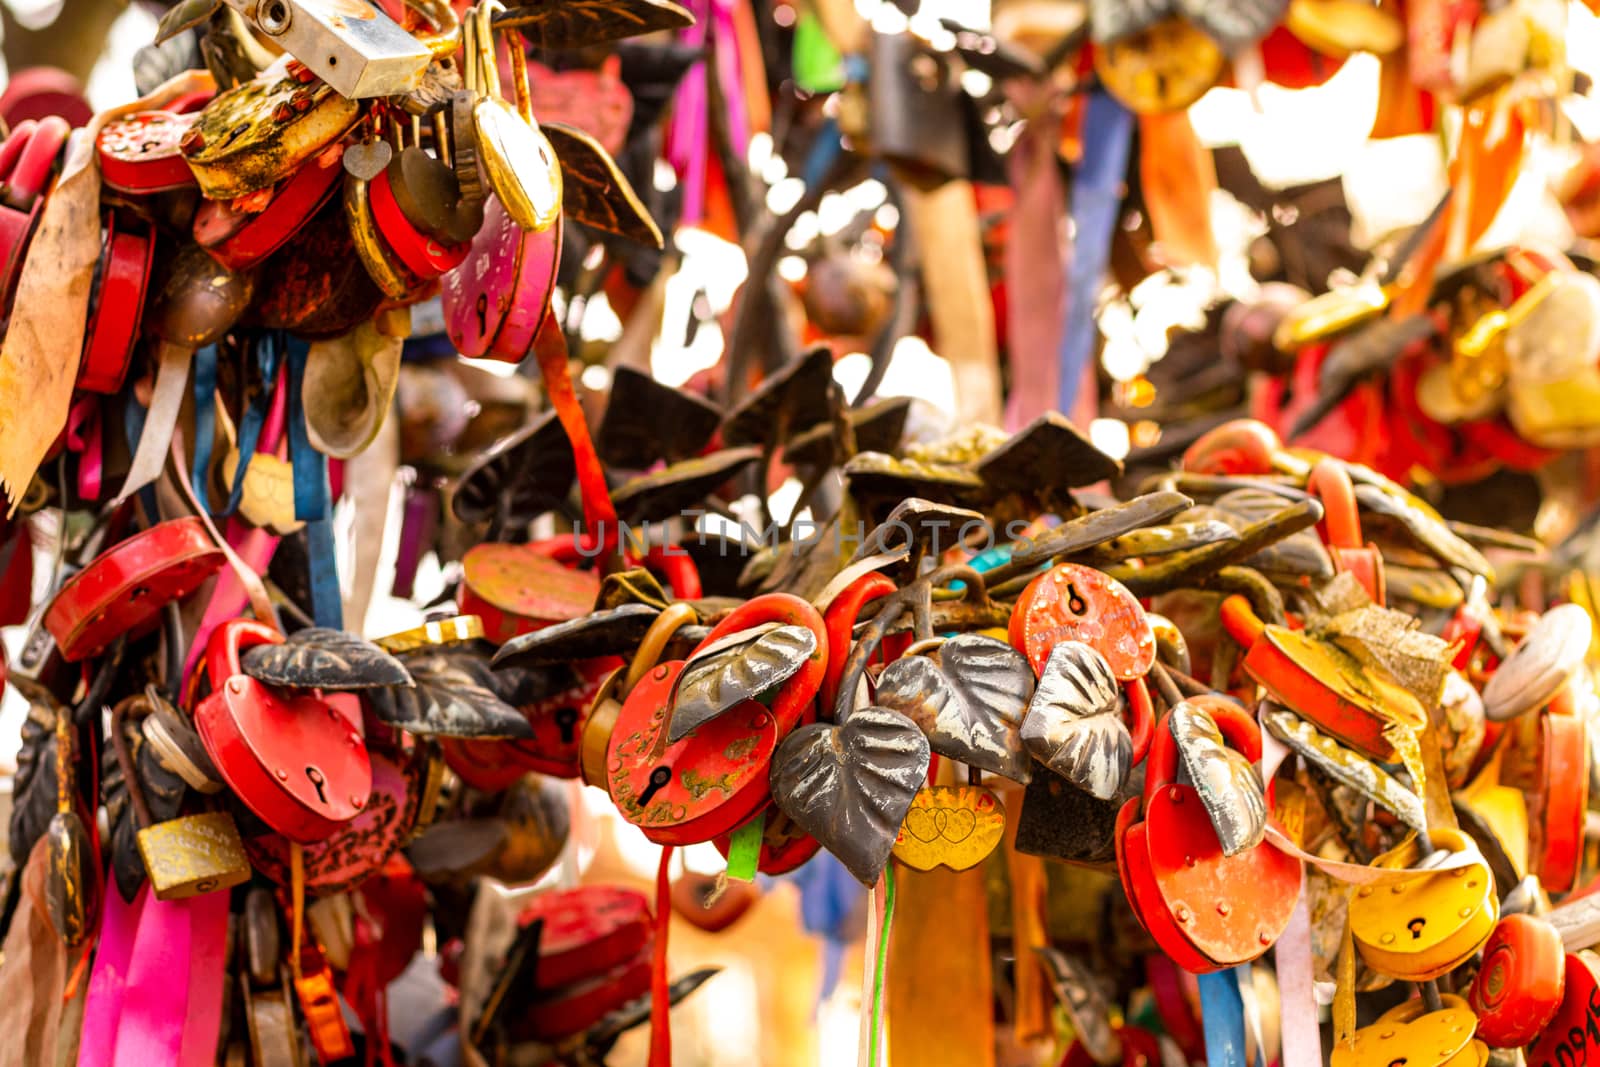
{"x":1074,"y":722}
{"x":1229,"y":784}
{"x":850,"y":785}
{"x":1345,"y":766}
{"x":1385,"y":505}
{"x":612,"y":632}
{"x":744,"y":666}
{"x":646,"y":421}
{"x":1234,"y":24}
{"x":455,"y":696}
{"x":790,"y":401}
{"x":970,"y":704}
{"x":1112,"y":20}
{"x":666,"y":493}
{"x":520,"y":478}
{"x":594,"y":191}
{"x":1049,"y":453}
{"x":322,"y":658}
{"x":563,"y":24}
{"x":33,"y":789}
{"x":180,"y":18}
{"x":878,"y":475}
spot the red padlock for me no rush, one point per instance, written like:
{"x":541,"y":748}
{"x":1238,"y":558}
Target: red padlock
{"x":1561,"y":799}
{"x":1201,"y":906}
{"x":839,"y":620}
{"x":22,"y":181}
{"x":139,"y":152}
{"x":1569,"y":1040}
{"x":239,"y":239}
{"x":1519,"y":985}
{"x":517,"y":589}
{"x":423,"y":254}
{"x":784,"y":846}
{"x":116,"y":307}
{"x":296,"y":762}
{"x":1341,"y":526}
{"x":123,"y":590}
{"x":1071,"y":602}
{"x":573,"y":1009}
{"x":715,"y":777}
{"x":587,"y":931}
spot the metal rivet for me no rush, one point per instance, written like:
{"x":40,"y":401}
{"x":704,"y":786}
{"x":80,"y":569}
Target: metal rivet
{"x":1224,"y":908}
{"x":357,"y":802}
{"x":1264,"y":937}
{"x":1364,"y":891}
{"x":1386,"y":939}
{"x":235,"y":685}
{"x":661,"y":671}
{"x":283,"y":775}
{"x":1466,"y":913}
{"x":1182,"y":913}
{"x":1175,"y":794}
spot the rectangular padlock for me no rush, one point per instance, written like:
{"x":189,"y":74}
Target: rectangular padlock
{"x":350,"y":44}
{"x":192,"y":855}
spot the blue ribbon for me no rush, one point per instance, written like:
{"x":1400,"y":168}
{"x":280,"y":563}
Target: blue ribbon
{"x":1096,"y":200}
{"x":1222,"y":1013}
{"x":205,"y":419}
{"x":311,"y":498}
{"x":269,"y":354}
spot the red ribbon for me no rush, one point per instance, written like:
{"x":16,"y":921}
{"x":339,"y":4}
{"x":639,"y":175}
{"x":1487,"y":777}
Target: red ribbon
{"x":660,"y":1021}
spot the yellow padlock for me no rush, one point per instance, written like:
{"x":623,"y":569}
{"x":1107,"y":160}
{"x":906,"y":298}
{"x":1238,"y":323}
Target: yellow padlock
{"x":1410,"y":1034}
{"x":595,"y":728}
{"x":1425,"y":924}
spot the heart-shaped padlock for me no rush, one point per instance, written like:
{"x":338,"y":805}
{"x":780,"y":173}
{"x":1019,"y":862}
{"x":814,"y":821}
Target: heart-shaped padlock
{"x":1422,"y":925}
{"x":1071,"y":602}
{"x":954,"y":826}
{"x":295,"y":761}
{"x":1411,"y":1034}
{"x":517,"y":589}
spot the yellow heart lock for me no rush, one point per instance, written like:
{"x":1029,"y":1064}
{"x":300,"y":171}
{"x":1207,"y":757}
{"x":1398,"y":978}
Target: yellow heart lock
{"x":955,"y":826}
{"x":1421,"y":926}
{"x":1410,"y":1034}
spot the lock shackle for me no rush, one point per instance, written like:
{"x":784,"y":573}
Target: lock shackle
{"x":669,"y":622}
{"x":1240,"y":446}
{"x":124,"y":755}
{"x":228,"y":643}
{"x":785,"y":609}
{"x":1330,"y":483}
{"x":447,"y":27}
{"x":1140,"y":717}
{"x":11,"y":148}
{"x":483,"y":45}
{"x":840,"y":620}
{"x":1240,"y":620}
{"x":31,"y":172}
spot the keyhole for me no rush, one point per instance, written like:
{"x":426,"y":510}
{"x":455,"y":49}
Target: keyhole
{"x":482,"y":308}
{"x":1075,"y":602}
{"x":658,"y":778}
{"x":315,"y":777}
{"x":1401,"y":1062}
{"x":566,"y":720}
{"x":1415,"y":926}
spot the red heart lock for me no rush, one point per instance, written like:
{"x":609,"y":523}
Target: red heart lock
{"x":1071,"y":602}
{"x":123,"y":590}
{"x":715,"y":777}
{"x":1330,"y":483}
{"x":1200,"y":905}
{"x":1572,"y":1037}
{"x":1520,"y":982}
{"x":139,"y":153}
{"x":239,"y":238}
{"x":517,"y":589}
{"x":784,"y":846}
{"x":296,"y":762}
{"x":587,"y":931}
{"x":116,"y":307}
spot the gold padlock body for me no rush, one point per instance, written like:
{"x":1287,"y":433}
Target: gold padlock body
{"x":594,"y":736}
{"x":192,"y":855}
{"x":1408,"y":1033}
{"x":1422,"y":926}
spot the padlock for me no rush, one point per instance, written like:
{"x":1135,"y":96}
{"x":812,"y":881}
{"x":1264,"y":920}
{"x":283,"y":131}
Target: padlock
{"x":1519,"y":985}
{"x":73,"y":884}
{"x":698,"y":900}
{"x":1541,"y":664}
{"x":916,"y":116}
{"x":1411,"y":1034}
{"x":322,"y":288}
{"x":1569,"y":1036}
{"x":1422,"y":925}
{"x":296,"y":762}
{"x":600,"y":719}
{"x":513,"y":158}
{"x":1161,"y":68}
{"x":361,"y":53}
{"x":1323,"y":683}
{"x":239,"y":238}
{"x":319,"y":1004}
{"x":496,"y":300}
{"x":784,"y":846}
{"x":952,"y":826}
{"x":1329,"y":482}
{"x":124,"y":589}
{"x":516,"y":589}
{"x":116,"y":308}
{"x":1071,"y":602}
{"x":29,"y":156}
{"x":139,"y":153}
{"x":186,"y":856}
{"x":1560,"y":799}
{"x":664,"y":787}
{"x":383,"y":267}
{"x":588,"y":930}
{"x":1552,"y":341}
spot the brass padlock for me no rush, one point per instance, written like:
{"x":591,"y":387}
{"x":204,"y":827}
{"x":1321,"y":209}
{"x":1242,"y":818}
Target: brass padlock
{"x":1421,"y":926}
{"x":73,"y":883}
{"x":594,"y":731}
{"x":186,"y":856}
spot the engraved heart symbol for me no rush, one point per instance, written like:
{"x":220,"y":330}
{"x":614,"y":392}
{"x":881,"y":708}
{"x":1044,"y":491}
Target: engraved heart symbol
{"x":941,"y":817}
{"x":922,"y":824}
{"x":958,"y":823}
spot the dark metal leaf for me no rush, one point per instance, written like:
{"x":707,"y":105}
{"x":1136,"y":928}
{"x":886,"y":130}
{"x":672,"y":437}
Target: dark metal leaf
{"x":880,"y":475}
{"x":604,"y":1033}
{"x":1082,"y":997}
{"x":933,"y":525}
{"x":594,"y":191}
{"x":1074,"y":722}
{"x":563,"y":24}
{"x":1229,"y":784}
{"x":455,"y":696}
{"x":520,"y":478}
{"x":1112,"y":20}
{"x":878,"y":427}
{"x":1385,"y":505}
{"x":1345,"y":766}
{"x":1301,"y":554}
{"x":636,"y":585}
{"x":970,"y":704}
{"x":647,"y":421}
{"x":33,"y":789}
{"x":787,"y":403}
{"x":1050,"y":453}
{"x":185,"y":16}
{"x":666,"y":493}
{"x":322,"y":658}
{"x":613,"y":632}
{"x":743,"y":666}
{"x":850,"y":785}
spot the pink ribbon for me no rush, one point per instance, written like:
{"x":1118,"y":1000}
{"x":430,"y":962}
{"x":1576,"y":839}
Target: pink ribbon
{"x":688,"y":139}
{"x":84,"y":438}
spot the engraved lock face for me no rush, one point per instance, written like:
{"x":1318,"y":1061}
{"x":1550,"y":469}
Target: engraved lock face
{"x":1411,"y":1036}
{"x":254,"y":135}
{"x":193,"y":854}
{"x":950,"y":826}
{"x":1071,"y":602}
{"x":1423,"y":925}
{"x":1573,"y":1033}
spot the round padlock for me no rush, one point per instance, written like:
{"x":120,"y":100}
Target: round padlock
{"x":1540,"y":665}
{"x":139,"y":153}
{"x":1163,"y":67}
{"x":1071,"y":602}
{"x":1520,"y":982}
{"x":516,"y":590}
{"x":1569,"y":1036}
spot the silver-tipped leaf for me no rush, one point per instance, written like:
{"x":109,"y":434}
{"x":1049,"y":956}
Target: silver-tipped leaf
{"x":970,"y":703}
{"x":745,"y":666}
{"x":1229,"y":784}
{"x":1074,"y":722}
{"x":322,"y":658}
{"x":1345,"y":766}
